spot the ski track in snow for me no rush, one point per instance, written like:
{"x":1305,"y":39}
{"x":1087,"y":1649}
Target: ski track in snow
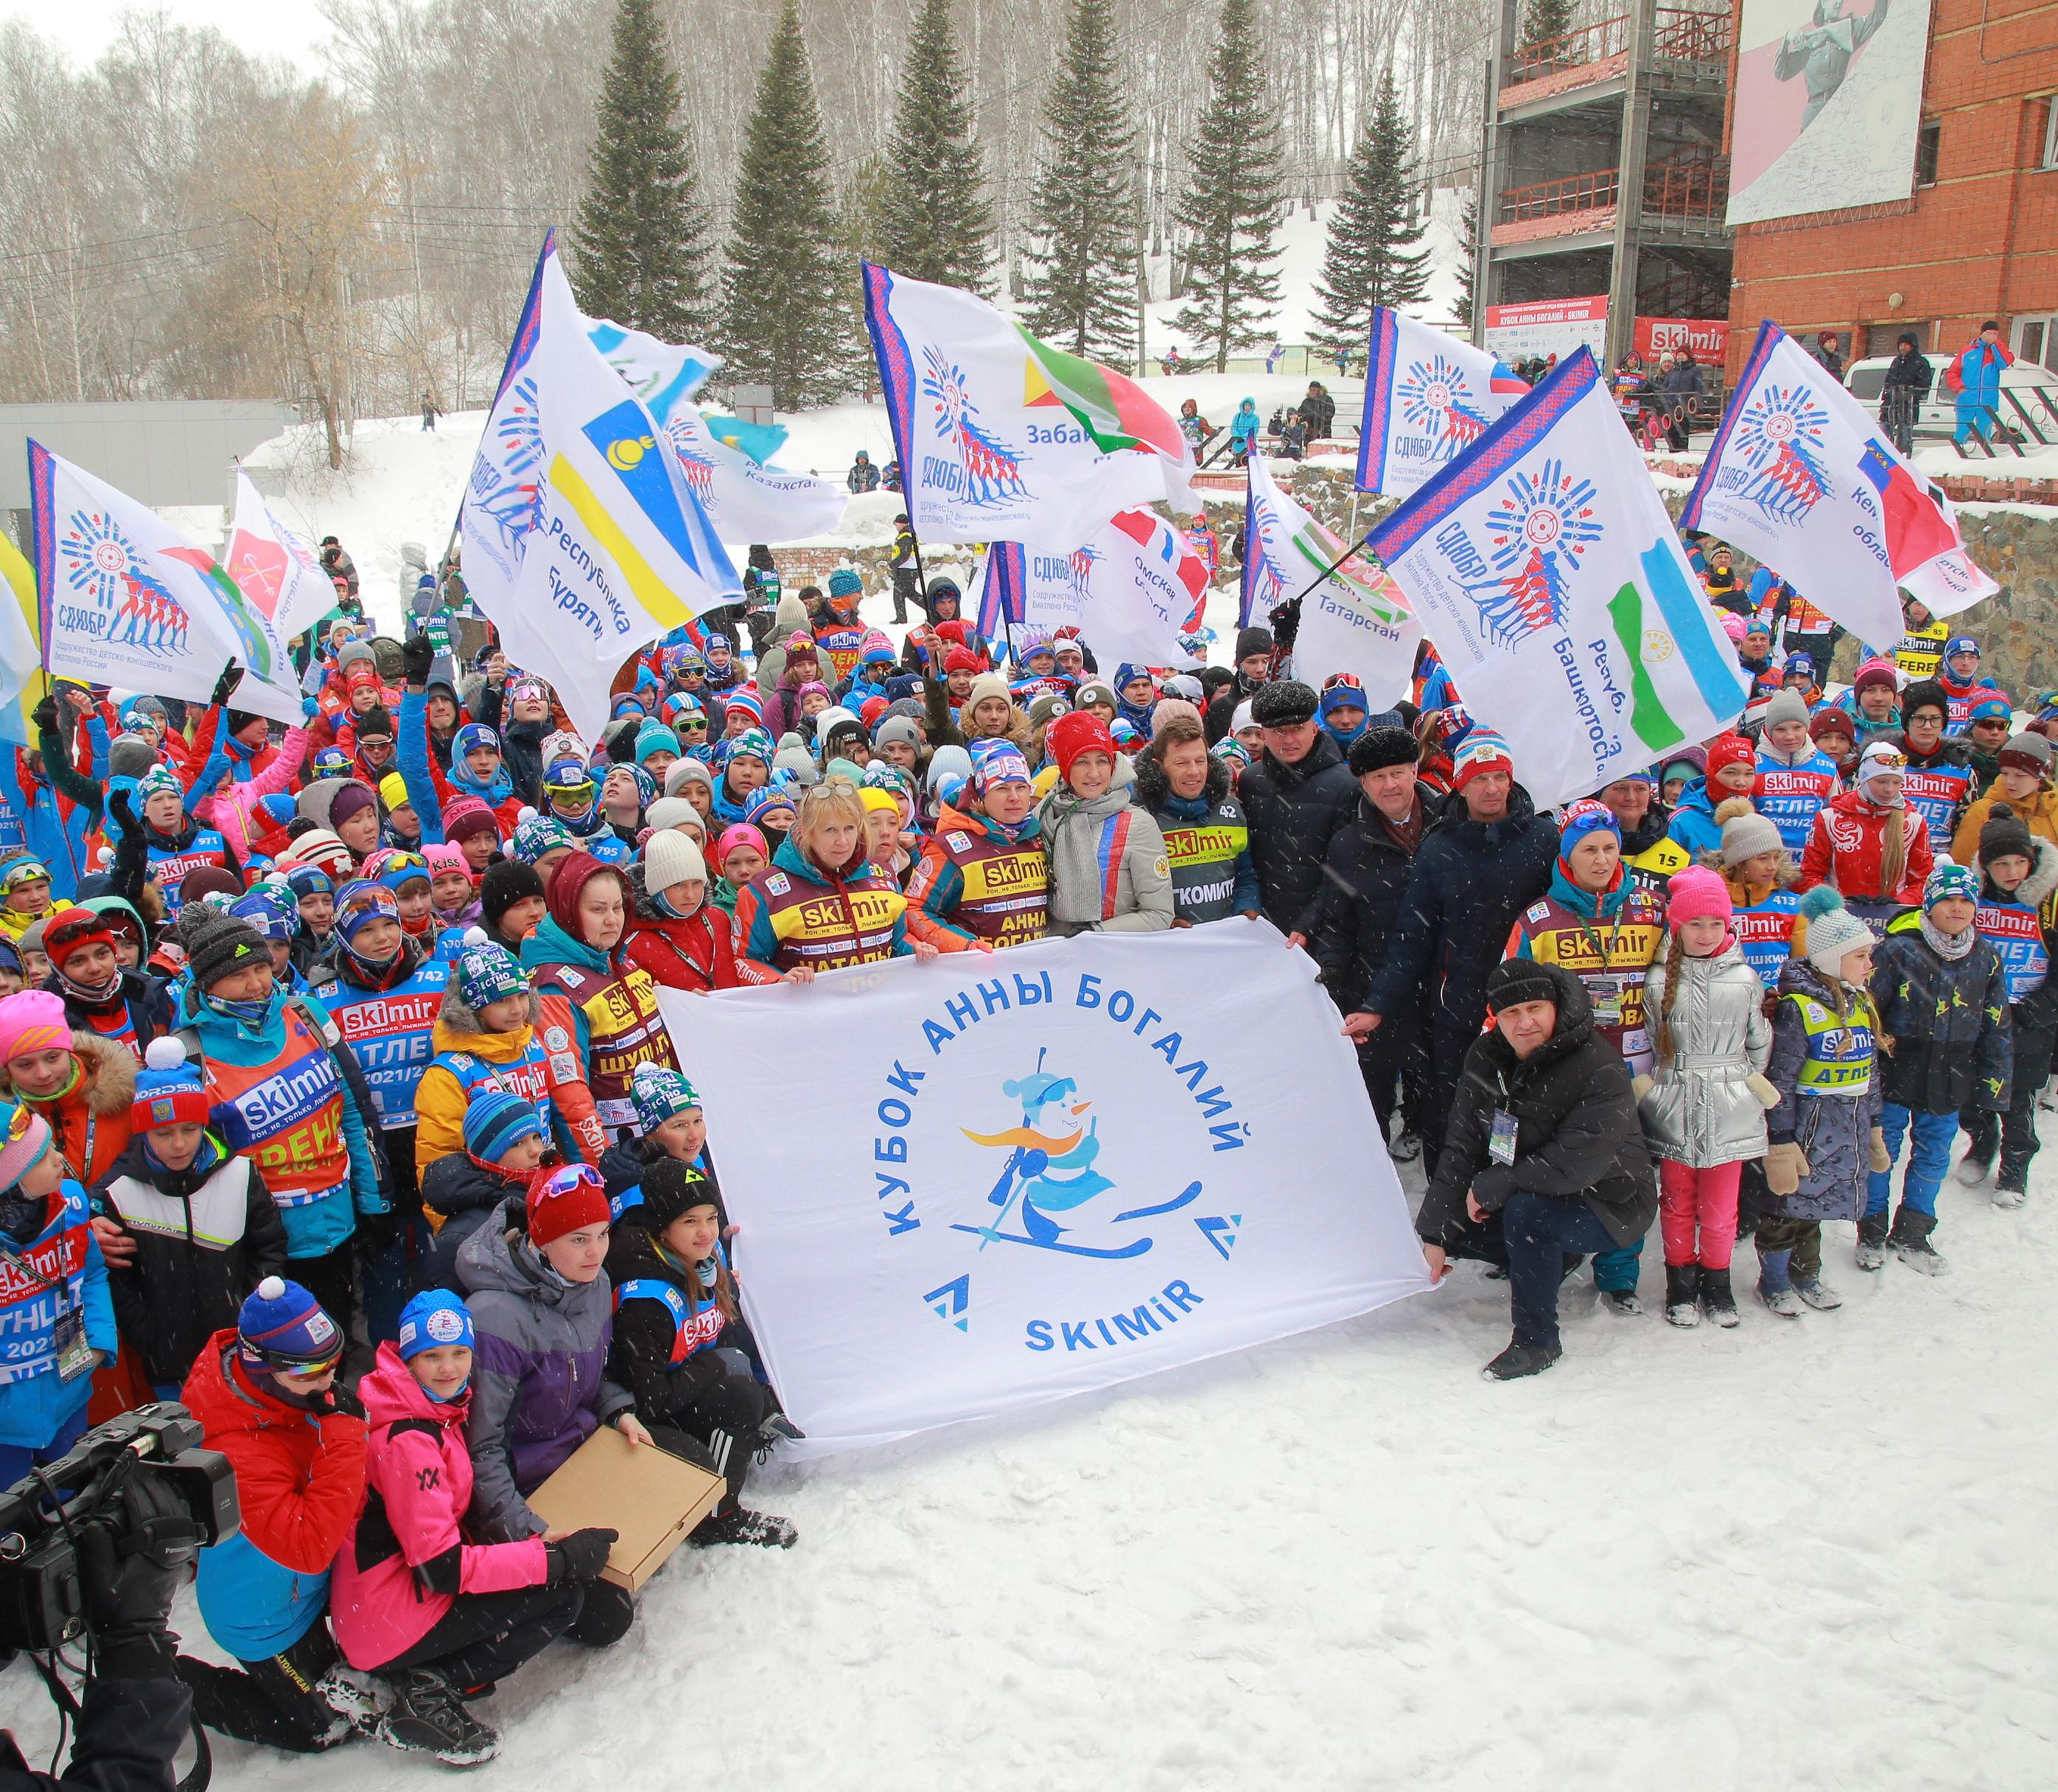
{"x":1815,"y":1549}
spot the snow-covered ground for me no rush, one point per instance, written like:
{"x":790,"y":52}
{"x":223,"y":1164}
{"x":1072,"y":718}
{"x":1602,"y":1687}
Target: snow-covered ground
{"x":1811,"y":1553}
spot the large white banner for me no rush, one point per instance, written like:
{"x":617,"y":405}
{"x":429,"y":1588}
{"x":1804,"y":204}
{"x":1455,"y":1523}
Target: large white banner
{"x":127,"y":600}
{"x":583,"y":541}
{"x":1059,"y":1168}
{"x":1355,"y":619}
{"x":1002,"y":437}
{"x":1428,"y":396}
{"x":1544,"y":568}
{"x":1828,"y":99}
{"x":1801,"y":478}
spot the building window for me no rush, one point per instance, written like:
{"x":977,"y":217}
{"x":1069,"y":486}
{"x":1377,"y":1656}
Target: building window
{"x":2050,"y":132}
{"x":1926,"y":152}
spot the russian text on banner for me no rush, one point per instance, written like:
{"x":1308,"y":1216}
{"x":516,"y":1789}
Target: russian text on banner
{"x":1544,"y":568}
{"x":1133,"y":590}
{"x":1069,"y":1166}
{"x":127,"y":600}
{"x":1354,"y":618}
{"x":1003,"y":437}
{"x":583,"y":541}
{"x":1801,"y":478}
{"x":1428,"y":396}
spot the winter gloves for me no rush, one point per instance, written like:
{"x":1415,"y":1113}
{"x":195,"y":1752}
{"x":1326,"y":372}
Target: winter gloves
{"x":416,"y":658}
{"x":1760,"y":1087}
{"x":1882,"y":1160}
{"x":1784,"y":1168}
{"x":580,"y":1556}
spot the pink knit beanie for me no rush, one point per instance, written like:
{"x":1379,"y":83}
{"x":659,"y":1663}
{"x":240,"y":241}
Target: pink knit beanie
{"x":1696,"y":893}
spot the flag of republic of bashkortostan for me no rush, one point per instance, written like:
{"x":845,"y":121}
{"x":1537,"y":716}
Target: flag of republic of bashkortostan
{"x":745,"y":501}
{"x":127,"y":600}
{"x":1354,"y":618}
{"x":1133,"y":589}
{"x":1003,"y":437}
{"x":583,"y":541}
{"x":1801,"y":478}
{"x":1427,"y":398}
{"x":1544,"y":568}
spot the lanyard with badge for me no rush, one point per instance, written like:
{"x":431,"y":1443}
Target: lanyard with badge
{"x":1500,"y":1140}
{"x":1607,"y":992}
{"x":74,"y":1355}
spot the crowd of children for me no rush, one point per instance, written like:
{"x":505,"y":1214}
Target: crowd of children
{"x":335,"y":1098}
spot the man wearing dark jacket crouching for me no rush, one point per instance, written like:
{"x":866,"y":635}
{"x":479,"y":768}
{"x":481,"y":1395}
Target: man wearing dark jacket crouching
{"x":1544,"y":1149}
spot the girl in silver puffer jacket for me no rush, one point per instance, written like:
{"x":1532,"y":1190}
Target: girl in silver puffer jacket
{"x":1703,"y":1110}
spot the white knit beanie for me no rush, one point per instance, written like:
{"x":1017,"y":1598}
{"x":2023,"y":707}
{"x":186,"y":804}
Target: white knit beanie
{"x":669,"y":858}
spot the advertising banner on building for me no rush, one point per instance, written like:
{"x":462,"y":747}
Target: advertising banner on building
{"x":1708,"y":338}
{"x":1042,"y":1173}
{"x":1547,"y":326}
{"x":1828,"y":100}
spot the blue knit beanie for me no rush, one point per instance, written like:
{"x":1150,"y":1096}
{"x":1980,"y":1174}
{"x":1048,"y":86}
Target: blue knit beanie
{"x":283,"y":1324}
{"x":654,"y":736}
{"x":844,"y":583}
{"x":496,"y":1121}
{"x":659,"y":1094}
{"x":434,"y":1318}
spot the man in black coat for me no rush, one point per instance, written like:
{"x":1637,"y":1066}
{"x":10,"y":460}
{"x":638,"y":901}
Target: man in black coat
{"x":1544,"y":1148}
{"x":1296,"y":795}
{"x":1479,"y":867}
{"x":1254,"y":667}
{"x":1370,"y":858}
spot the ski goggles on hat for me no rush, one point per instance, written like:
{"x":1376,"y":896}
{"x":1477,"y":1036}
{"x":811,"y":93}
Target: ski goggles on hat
{"x":322,"y":1359}
{"x":1885,"y":759}
{"x":568,"y":777}
{"x":333,"y":762}
{"x":403,"y":868}
{"x":23,"y":871}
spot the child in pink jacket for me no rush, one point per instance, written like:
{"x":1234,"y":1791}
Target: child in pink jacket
{"x":437,"y":1617}
{"x":232,"y":809}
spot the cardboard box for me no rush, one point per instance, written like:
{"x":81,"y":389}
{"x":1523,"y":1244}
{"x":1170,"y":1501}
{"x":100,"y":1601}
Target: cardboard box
{"x":651,"y":1497}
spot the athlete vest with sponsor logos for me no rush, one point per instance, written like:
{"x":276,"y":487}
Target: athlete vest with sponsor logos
{"x":1764,"y":930}
{"x":1840,"y":1050}
{"x":1203,"y":855}
{"x":527,"y":1077}
{"x":1609,"y":956}
{"x":822,"y":925}
{"x":388,"y":1032}
{"x":1922,"y":650}
{"x":840,"y":643}
{"x":623,"y":1030}
{"x":2016,"y":932}
{"x":1937,"y":792}
{"x":40,"y":1285}
{"x":1006,"y":896}
{"x":1790,"y":796}
{"x":1652,"y":869}
{"x":694,"y":1327}
{"x":213,"y":1217}
{"x":168,"y":866}
{"x":286,"y":1115}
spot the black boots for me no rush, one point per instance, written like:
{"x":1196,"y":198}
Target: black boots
{"x":1683,"y":1285}
{"x":1910,"y":1240}
{"x":1518,"y":1360}
{"x":1717,"y":1302}
{"x":428,"y":1718}
{"x":1872,"y":1241}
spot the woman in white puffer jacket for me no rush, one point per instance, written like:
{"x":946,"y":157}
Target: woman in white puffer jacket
{"x":1703,"y":1110}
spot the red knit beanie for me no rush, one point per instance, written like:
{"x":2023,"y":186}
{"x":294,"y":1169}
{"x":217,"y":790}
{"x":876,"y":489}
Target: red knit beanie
{"x":1075,"y":733}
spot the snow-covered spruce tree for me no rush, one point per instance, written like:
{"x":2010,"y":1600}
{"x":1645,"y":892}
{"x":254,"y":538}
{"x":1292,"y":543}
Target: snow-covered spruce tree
{"x":936,"y":222}
{"x":1469,"y":229}
{"x":1079,"y":283}
{"x":640,"y":247}
{"x":1233,"y":198}
{"x":1369,"y":260}
{"x":787,"y":319}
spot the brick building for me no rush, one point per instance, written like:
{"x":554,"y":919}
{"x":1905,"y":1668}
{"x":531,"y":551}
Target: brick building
{"x":1978,"y":237}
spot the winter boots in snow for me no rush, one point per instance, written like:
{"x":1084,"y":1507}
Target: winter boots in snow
{"x":1872,"y":1241}
{"x":1974,"y":1170}
{"x":1910,"y":1240}
{"x":428,"y":1718}
{"x":1774,"y":1287}
{"x":1819,"y":1295}
{"x":741,"y":1525}
{"x":1717,"y":1302}
{"x":1518,"y":1360}
{"x":1621,"y":1302}
{"x":356,"y":1695}
{"x":1683,"y":1285}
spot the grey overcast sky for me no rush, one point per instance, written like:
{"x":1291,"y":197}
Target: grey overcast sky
{"x":287,"y":28}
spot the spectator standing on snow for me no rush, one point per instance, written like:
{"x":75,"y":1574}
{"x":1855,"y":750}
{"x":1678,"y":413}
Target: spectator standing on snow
{"x":863,"y":475}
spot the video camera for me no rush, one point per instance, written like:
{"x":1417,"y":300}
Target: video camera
{"x":41,"y":1602}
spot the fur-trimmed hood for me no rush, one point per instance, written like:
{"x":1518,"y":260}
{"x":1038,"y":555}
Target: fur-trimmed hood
{"x":2042,"y":878}
{"x":109,"y":1073}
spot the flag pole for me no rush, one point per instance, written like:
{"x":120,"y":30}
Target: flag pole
{"x":1335,"y":565}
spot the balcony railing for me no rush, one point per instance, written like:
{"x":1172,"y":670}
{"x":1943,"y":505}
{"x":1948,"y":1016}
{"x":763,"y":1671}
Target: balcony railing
{"x":1686,"y":188}
{"x":1680,"y":35}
